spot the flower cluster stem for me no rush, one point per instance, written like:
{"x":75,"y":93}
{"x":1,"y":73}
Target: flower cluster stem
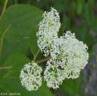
{"x":43,"y":60}
{"x":36,"y":55}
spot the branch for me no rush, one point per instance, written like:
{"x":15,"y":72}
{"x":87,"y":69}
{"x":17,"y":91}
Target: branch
{"x":43,"y":60}
{"x":36,"y":55}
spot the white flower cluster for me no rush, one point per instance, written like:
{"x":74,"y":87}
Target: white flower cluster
{"x":31,"y":76}
{"x":48,"y":29}
{"x":53,"y":75}
{"x":68,"y":55}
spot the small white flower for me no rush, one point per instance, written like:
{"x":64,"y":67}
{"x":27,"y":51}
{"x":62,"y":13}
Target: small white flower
{"x":70,"y":53}
{"x":31,"y":76}
{"x":48,"y":29}
{"x":53,"y":75}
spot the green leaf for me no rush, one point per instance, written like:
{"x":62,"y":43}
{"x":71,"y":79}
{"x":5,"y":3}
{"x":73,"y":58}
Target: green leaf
{"x":44,"y":91}
{"x":18,"y":29}
{"x":14,"y":87}
{"x":11,"y":77}
{"x":90,"y":16}
{"x":16,"y":61}
{"x":2,"y":2}
{"x":22,"y":21}
{"x":72,"y":87}
{"x":79,"y":6}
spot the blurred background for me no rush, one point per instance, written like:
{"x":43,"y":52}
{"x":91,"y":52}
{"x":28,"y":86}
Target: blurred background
{"x":79,"y":16}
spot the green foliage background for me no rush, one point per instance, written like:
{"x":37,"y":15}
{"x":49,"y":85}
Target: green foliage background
{"x":18,"y":27}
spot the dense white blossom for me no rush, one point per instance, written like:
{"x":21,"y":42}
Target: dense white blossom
{"x":53,"y":75}
{"x":31,"y":76}
{"x":68,"y":57}
{"x":48,"y":29}
{"x":70,"y":53}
